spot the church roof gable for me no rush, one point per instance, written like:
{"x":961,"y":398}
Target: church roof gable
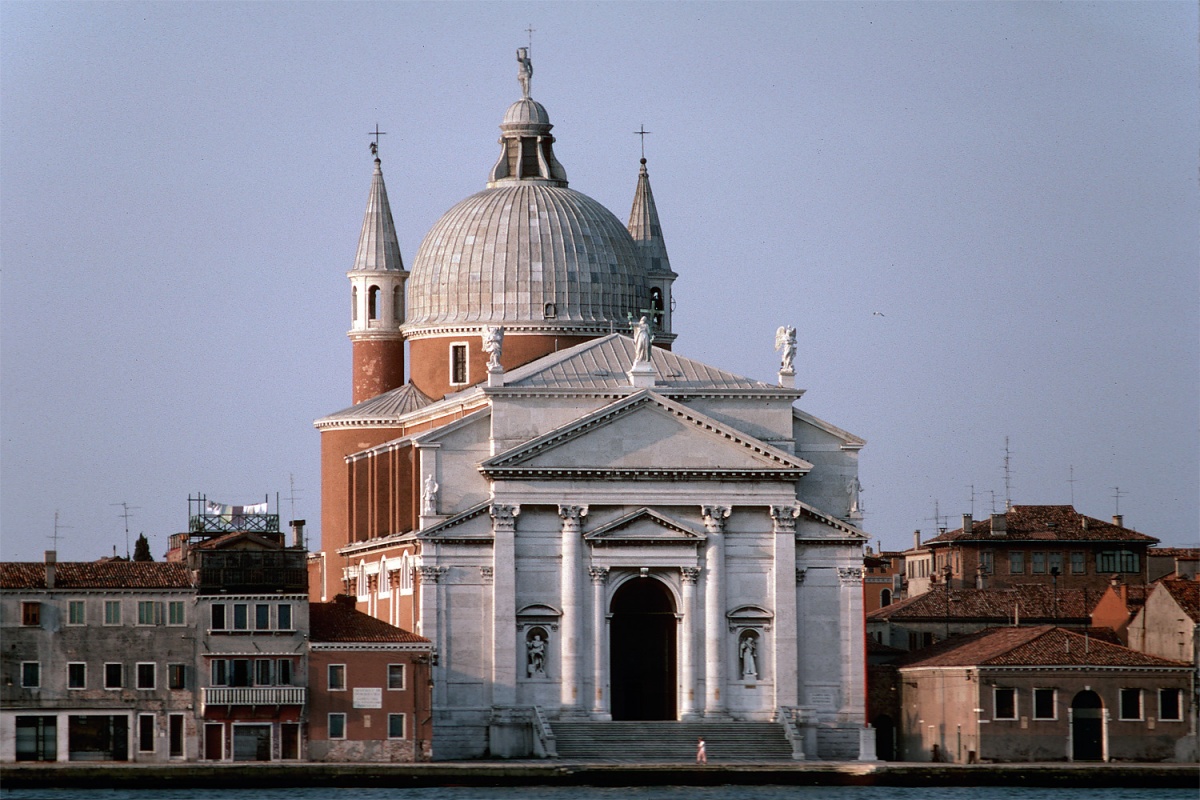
{"x":645,"y":526}
{"x":646,"y":435}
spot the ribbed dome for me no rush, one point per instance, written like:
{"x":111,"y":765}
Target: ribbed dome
{"x":526,"y":252}
{"x":526,"y":112}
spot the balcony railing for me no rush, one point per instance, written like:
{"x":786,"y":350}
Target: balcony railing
{"x":253,"y":695}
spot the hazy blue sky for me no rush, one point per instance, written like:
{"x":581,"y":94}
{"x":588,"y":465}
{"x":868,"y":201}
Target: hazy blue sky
{"x":1013,"y":187}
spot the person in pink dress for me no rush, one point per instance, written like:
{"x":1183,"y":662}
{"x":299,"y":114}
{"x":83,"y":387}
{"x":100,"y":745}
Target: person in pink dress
{"x":701,"y":752}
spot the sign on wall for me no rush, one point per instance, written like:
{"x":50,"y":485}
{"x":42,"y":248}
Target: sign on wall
{"x":368,"y":697}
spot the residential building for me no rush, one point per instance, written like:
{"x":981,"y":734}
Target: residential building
{"x":1043,"y":694}
{"x":1052,"y":545}
{"x":98,"y":662}
{"x":883,"y":579}
{"x":252,"y":626}
{"x":1117,"y":607}
{"x":371,"y":689}
{"x":587,"y":525}
{"x":1168,"y":623}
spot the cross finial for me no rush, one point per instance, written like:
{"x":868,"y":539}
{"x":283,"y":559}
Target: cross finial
{"x":375,"y":144}
{"x":642,"y":132}
{"x":531,"y":30}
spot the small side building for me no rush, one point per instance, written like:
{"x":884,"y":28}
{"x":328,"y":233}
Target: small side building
{"x":371,"y":689}
{"x":1043,"y":694}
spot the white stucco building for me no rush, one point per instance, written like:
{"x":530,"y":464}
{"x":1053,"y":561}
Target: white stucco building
{"x":586,"y":525}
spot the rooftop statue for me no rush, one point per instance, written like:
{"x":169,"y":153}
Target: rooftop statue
{"x":525,"y":71}
{"x":785,"y":340}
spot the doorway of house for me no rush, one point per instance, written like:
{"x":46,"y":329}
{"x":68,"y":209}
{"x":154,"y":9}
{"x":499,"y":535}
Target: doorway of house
{"x":1087,"y":727}
{"x":642,"y":651}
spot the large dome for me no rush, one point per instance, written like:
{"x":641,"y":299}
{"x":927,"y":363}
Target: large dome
{"x":528,"y":254}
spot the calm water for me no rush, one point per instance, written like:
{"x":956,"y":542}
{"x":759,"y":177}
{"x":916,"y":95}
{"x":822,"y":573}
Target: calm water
{"x":634,"y":793}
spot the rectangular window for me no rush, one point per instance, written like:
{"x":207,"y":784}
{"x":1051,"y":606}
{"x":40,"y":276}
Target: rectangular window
{"x":175,"y":735}
{"x":77,"y":675}
{"x":1078,"y":563}
{"x":76,"y":613}
{"x":31,"y":613}
{"x":458,"y":364}
{"x":175,"y":612}
{"x":1131,"y":704}
{"x":220,"y":672}
{"x":395,"y":726}
{"x":112,"y":612}
{"x":985,"y":561}
{"x":31,"y":674}
{"x":218,"y":616}
{"x":337,"y":726}
{"x":1117,"y":561}
{"x":1016,"y":563}
{"x":1170,"y":707}
{"x":146,"y":676}
{"x":150,"y":613}
{"x":337,"y":677}
{"x":262,"y":672}
{"x":1056,"y":563}
{"x":145,"y":733}
{"x":241,"y":617}
{"x":239,"y":672}
{"x":114,"y":676}
{"x":283,"y":672}
{"x":395,"y":676}
{"x":1038,"y":564}
{"x":1043,"y":704}
{"x":285,"y":616}
{"x":176,"y":676}
{"x":1006,"y":703}
{"x":262,"y":617}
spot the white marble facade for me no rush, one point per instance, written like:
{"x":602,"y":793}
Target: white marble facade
{"x":683,"y":551}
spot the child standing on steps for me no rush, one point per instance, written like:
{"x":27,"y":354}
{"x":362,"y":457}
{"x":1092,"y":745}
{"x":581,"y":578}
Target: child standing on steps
{"x":701,"y":752}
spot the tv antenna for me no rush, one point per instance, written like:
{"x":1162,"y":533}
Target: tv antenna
{"x":1007,"y":476}
{"x":971,"y":486}
{"x":1071,"y":481}
{"x":125,"y":509}
{"x":292,"y":491}
{"x":938,"y":518}
{"x":57,"y":527}
{"x":1117,"y":494}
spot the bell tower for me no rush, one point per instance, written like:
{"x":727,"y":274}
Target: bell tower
{"x":377,"y":298}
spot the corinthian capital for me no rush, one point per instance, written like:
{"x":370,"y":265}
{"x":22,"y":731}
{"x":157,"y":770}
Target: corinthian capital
{"x":785,"y":518}
{"x":572,"y":513}
{"x":848,"y":576}
{"x":431,"y":574}
{"x":599,"y":575}
{"x":714,"y":517}
{"x":504,"y":517}
{"x":690,"y":574}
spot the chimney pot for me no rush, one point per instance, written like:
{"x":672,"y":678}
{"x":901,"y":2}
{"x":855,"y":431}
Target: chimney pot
{"x":999,"y":525}
{"x":1119,"y":520}
{"x":916,"y":540}
{"x":51,"y":562}
{"x":297,"y":532}
{"x":968,"y":523}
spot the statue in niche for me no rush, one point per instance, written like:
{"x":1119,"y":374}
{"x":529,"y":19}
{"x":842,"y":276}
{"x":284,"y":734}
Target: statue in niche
{"x":785,"y":340}
{"x":748,"y":653}
{"x":853,"y":488}
{"x":524,"y":71}
{"x":641,"y":342}
{"x":493,"y":343}
{"x":536,"y":654}
{"x":429,"y":494}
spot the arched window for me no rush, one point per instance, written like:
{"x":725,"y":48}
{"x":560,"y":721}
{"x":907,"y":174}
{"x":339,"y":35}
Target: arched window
{"x":373,"y":303}
{"x":885,"y":597}
{"x":354,"y":304}
{"x":656,"y":303}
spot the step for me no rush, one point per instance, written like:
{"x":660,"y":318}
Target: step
{"x":671,"y":741}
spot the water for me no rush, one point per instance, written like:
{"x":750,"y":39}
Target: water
{"x":621,"y":793}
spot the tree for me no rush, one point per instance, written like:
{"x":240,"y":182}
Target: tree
{"x":141,"y":549}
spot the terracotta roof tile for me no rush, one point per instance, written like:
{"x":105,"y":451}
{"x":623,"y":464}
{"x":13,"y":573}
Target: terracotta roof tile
{"x":1041,"y":646}
{"x":1030,"y":601}
{"x":1046,"y":523}
{"x":340,"y":622}
{"x":1186,"y":594}
{"x":96,"y":575}
{"x":1192,"y":553}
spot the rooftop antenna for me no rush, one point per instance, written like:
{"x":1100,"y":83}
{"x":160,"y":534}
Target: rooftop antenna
{"x":57,"y":526}
{"x":292,"y":490}
{"x":1007,"y":476}
{"x":642,"y":132}
{"x":1071,"y":481}
{"x":125,"y":509}
{"x":1117,"y":494}
{"x":972,"y":488}
{"x":375,"y":144}
{"x":938,"y":517}
{"x":992,"y":492}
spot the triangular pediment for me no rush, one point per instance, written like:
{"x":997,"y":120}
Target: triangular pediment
{"x":644,"y":526}
{"x":646,"y":437}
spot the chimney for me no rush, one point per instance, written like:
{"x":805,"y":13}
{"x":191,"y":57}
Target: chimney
{"x":51,"y":562}
{"x":345,"y":600}
{"x":999,"y":525}
{"x":1119,"y":520}
{"x":297,"y":533}
{"x":968,"y":524}
{"x":916,"y":540}
{"x":1083,"y":522}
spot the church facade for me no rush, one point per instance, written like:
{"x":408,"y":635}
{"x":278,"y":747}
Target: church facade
{"x":587,"y":524}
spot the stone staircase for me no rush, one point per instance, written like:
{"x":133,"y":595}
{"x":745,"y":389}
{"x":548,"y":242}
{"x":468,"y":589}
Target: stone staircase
{"x":671,"y":741}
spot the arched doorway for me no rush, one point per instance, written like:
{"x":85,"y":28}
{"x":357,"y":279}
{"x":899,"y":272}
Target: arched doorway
{"x":1087,"y":727}
{"x":642,"y":651}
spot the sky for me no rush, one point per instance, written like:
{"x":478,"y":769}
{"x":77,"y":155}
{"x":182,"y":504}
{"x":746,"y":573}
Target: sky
{"x":980,"y":217}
